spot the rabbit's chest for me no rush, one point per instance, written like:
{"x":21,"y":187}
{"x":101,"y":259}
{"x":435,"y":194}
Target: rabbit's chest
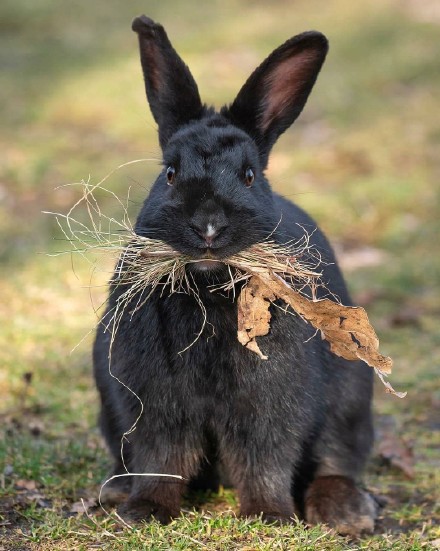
{"x":202,"y":338}
{"x":200,"y":329}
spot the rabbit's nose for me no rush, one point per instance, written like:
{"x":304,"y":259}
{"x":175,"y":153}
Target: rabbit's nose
{"x":208,"y":233}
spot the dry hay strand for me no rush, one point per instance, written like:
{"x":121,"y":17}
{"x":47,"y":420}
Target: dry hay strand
{"x":267,"y":270}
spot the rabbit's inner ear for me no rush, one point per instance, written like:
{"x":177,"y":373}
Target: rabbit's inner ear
{"x":284,"y":87}
{"x":276,"y":92}
{"x":150,"y":56}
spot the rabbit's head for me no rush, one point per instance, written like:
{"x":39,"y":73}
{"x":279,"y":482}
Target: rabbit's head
{"x":211,"y":199}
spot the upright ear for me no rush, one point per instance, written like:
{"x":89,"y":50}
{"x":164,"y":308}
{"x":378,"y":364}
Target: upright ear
{"x":276,"y":92}
{"x":171,"y":90}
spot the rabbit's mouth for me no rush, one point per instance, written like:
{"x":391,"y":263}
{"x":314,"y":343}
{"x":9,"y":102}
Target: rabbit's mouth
{"x":206,"y":265}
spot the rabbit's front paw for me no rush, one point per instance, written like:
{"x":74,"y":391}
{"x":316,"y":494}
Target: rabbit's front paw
{"x":136,"y":510}
{"x":339,"y":503}
{"x":271,"y":511}
{"x":279,"y":520}
{"x":115,"y":490}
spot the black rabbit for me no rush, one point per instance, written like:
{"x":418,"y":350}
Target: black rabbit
{"x":292,"y":433}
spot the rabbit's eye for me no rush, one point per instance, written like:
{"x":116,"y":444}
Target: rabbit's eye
{"x":171,"y":173}
{"x":249,"y":177}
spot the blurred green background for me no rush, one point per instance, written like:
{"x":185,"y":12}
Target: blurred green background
{"x":363,"y":159}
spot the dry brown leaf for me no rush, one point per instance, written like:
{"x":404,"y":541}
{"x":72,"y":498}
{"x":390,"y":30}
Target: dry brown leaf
{"x":24,"y":484}
{"x":346,"y":328}
{"x":82,"y":506}
{"x":397,"y":453}
{"x":253,"y":314}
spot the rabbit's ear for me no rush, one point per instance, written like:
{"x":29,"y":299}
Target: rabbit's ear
{"x":171,"y":90}
{"x":276,"y":92}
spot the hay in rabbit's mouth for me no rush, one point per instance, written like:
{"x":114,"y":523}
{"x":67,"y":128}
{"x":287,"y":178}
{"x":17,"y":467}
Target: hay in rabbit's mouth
{"x":146,"y":266}
{"x":263,"y":274}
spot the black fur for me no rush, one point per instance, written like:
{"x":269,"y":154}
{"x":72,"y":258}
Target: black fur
{"x":279,"y":427}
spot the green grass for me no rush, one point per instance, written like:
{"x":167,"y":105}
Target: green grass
{"x":363,"y":159}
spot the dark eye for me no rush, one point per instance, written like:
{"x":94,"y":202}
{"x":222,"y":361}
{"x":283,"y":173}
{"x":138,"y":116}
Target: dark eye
{"x":171,"y":173}
{"x":249,"y":177}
